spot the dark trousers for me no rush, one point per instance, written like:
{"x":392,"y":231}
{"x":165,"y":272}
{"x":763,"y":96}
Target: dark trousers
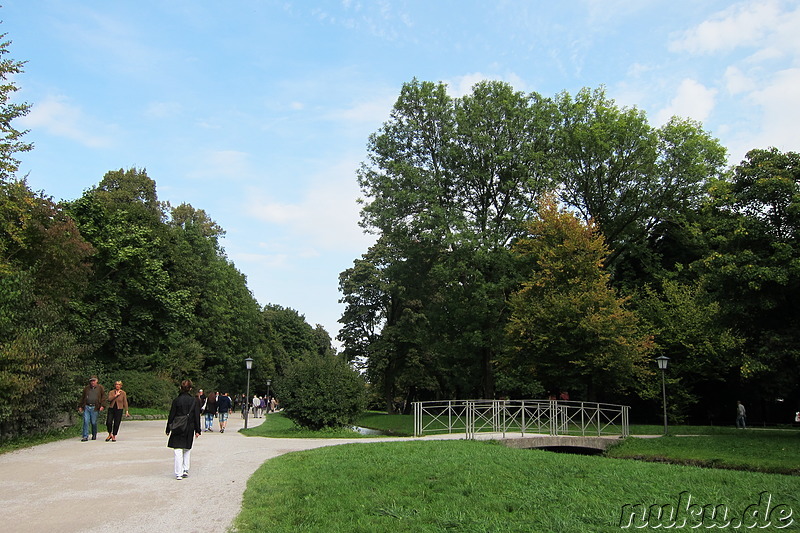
{"x":113,"y":420}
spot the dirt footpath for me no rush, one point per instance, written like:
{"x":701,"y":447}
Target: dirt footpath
{"x":129,"y":485}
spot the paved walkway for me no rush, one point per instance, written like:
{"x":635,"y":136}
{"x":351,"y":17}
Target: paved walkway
{"x":128,"y":485}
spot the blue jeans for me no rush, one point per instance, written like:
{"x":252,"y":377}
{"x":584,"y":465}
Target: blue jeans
{"x":89,"y":417}
{"x":209,"y":420}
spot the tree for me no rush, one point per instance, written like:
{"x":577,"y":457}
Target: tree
{"x":10,"y":138}
{"x":625,"y":175}
{"x":705,"y":355}
{"x":45,"y":269}
{"x":449,"y":182}
{"x":753,"y":267}
{"x":568,"y":328}
{"x":319,"y":391}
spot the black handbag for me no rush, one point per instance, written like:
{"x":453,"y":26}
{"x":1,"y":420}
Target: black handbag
{"x":180,"y":424}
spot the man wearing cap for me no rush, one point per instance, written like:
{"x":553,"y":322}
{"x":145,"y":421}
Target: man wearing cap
{"x":92,"y":402}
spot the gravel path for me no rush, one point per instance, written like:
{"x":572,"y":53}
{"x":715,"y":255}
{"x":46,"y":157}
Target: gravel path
{"x":128,"y":485}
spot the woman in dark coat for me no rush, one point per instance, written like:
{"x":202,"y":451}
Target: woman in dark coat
{"x":181,"y":441}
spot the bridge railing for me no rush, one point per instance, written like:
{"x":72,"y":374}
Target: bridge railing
{"x":549,"y":417}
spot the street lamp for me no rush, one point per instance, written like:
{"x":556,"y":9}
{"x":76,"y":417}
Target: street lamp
{"x":248,"y":363}
{"x":662,"y":361}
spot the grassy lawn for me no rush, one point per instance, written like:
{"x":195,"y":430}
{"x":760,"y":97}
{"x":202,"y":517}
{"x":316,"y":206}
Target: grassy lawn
{"x":757,"y":450}
{"x":483,"y":486}
{"x":275,"y":425}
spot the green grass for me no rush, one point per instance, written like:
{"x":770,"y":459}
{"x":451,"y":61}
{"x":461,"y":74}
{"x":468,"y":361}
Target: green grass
{"x":469,"y":486}
{"x":276,"y":425}
{"x":756,"y":450}
{"x":397,"y":425}
{"x":26,"y":441}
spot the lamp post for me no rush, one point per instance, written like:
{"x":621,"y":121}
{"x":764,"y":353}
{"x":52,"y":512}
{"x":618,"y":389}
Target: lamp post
{"x":662,"y":361}
{"x":248,"y":363}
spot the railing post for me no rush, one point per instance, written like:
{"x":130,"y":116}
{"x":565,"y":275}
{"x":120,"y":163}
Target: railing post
{"x":417,"y":419}
{"x":449,"y":416}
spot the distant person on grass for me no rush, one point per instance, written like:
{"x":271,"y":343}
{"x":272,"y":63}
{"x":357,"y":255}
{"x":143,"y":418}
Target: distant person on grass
{"x":117,"y":404}
{"x":181,"y":441}
{"x":741,"y":415}
{"x":91,"y":403}
{"x":224,"y":406}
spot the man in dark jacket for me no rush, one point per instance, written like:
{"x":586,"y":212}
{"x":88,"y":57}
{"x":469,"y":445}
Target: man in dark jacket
{"x":181,"y":440}
{"x":224,"y":406}
{"x":92,"y":402}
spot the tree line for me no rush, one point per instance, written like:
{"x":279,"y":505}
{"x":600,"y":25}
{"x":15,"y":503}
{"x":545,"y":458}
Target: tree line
{"x":121,"y":285}
{"x":528,"y":245}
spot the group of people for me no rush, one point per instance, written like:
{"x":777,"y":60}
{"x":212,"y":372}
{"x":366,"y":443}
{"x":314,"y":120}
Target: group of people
{"x":94,"y":400}
{"x":183,"y":422}
{"x":215,"y":405}
{"x":261,"y":405}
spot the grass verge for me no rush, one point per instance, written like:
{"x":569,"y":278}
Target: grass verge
{"x":471,"y":486}
{"x":776,"y":451}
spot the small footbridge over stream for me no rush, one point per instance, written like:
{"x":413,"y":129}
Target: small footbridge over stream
{"x":549,"y":424}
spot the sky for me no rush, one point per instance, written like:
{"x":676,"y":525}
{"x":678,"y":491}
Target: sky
{"x":259,"y":111}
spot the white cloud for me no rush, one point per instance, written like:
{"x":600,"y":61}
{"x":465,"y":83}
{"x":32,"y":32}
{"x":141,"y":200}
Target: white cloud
{"x":373,"y":111}
{"x":778,"y":100}
{"x":692,"y":99}
{"x":326,"y":216}
{"x":57,"y":116}
{"x":737,"y":81}
{"x":743,"y":24}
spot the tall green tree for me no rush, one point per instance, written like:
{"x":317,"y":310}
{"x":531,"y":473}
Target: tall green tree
{"x":45,"y":270}
{"x":568,"y":328}
{"x":448,"y":183}
{"x":753,"y":265}
{"x":11,"y":142}
{"x":624,"y":174}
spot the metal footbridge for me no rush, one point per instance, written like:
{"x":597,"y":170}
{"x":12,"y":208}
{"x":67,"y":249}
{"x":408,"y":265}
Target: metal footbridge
{"x":525,"y":423}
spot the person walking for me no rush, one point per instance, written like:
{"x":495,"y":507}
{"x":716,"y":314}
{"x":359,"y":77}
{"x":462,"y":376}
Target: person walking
{"x":741,"y":415}
{"x":182,"y":438}
{"x":117,"y":404}
{"x":256,"y":405}
{"x":224,"y":406}
{"x":91,"y":403}
{"x":210,"y":411}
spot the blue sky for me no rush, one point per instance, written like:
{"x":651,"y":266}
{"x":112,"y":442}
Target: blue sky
{"x":259,"y":112}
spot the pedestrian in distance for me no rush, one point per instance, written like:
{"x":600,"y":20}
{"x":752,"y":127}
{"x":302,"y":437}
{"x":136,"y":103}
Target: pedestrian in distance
{"x":741,"y":415}
{"x":224,"y":406}
{"x":256,"y":405}
{"x":91,"y":403}
{"x":117,"y":405}
{"x":210,"y":411}
{"x":183,"y":425}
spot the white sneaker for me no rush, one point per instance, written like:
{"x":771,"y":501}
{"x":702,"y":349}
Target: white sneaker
{"x":179,"y":478}
{"x":185,"y":473}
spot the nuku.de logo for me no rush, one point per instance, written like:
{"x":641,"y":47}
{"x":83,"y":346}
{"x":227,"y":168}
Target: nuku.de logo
{"x":687,"y":514}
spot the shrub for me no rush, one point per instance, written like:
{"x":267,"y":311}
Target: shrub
{"x":318,"y":391}
{"x":144,"y":389}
